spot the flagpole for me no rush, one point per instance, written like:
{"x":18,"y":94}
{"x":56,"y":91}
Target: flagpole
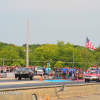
{"x":85,"y":53}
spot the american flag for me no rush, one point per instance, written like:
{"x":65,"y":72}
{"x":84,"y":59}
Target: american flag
{"x":90,"y":45}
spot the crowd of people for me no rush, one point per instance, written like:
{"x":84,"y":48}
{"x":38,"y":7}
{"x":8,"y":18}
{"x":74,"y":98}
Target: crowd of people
{"x":68,"y":72}
{"x":9,"y":69}
{"x":65,"y":72}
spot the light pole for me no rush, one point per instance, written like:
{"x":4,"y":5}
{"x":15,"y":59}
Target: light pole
{"x":27,"y":47}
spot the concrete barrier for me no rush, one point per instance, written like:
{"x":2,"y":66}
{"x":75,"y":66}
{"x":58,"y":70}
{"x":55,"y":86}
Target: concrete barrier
{"x":10,"y":75}
{"x":3,"y":75}
{"x":54,"y":94}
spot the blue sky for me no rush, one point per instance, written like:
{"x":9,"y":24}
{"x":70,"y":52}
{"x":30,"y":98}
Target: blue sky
{"x":50,"y":21}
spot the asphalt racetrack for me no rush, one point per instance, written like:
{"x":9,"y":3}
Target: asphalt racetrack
{"x":15,"y":83}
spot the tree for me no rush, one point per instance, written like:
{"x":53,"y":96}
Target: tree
{"x":59,"y":64}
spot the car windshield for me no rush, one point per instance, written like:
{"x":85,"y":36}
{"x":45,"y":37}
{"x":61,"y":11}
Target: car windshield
{"x":93,"y":72}
{"x":40,"y":68}
{"x":23,"y":69}
{"x":27,"y":69}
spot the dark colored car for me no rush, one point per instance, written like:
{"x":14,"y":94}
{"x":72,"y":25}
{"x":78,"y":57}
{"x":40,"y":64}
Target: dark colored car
{"x":24,"y":73}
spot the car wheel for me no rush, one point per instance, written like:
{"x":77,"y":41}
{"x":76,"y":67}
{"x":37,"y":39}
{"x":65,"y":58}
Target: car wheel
{"x":15,"y":76}
{"x":97,"y":80}
{"x":31,"y":77}
{"x":19,"y":78}
{"x":88,"y":80}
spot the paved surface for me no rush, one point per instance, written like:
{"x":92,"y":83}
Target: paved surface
{"x":6,"y":83}
{"x":89,"y":97}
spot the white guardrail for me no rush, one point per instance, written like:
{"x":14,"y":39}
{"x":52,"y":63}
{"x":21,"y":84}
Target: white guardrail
{"x":7,"y":75}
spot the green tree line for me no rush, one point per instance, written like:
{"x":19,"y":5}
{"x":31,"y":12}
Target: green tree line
{"x":59,"y":54}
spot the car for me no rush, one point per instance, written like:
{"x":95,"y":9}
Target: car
{"x":92,"y":75}
{"x":40,"y":71}
{"x":24,"y":73}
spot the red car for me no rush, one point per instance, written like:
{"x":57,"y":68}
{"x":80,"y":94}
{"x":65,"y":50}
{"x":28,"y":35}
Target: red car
{"x":92,"y":75}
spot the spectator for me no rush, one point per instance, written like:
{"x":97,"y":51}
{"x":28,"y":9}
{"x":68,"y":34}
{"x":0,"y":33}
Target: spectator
{"x":7,"y":69}
{"x":0,"y":69}
{"x":64,"y":72}
{"x":33,"y":68}
{"x":16,"y":68}
{"x":59,"y":72}
{"x":73,"y":72}
{"x":54,"y":70}
{"x":67,"y":75}
{"x":81,"y":71}
{"x":4,"y":69}
{"x":77,"y":73}
{"x":97,"y":69}
{"x":36,"y":70}
{"x":46,"y":71}
{"x":59,"y":69}
{"x":70,"y":73}
{"x":11,"y":70}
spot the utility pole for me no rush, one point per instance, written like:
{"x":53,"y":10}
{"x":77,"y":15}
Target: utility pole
{"x":27,"y":47}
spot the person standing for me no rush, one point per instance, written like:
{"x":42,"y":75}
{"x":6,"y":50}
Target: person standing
{"x":4,"y":69}
{"x":54,"y":71}
{"x":36,"y":70}
{"x":73,"y":73}
{"x":64,"y":72}
{"x":70,"y":73}
{"x":16,"y":68}
{"x":0,"y":69}
{"x":46,"y":71}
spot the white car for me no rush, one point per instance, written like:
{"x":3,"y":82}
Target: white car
{"x":40,"y":71}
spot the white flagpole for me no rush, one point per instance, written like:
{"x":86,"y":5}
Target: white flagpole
{"x":85,"y":53}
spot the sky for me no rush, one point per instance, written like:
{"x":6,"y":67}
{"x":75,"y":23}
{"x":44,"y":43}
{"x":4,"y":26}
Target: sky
{"x":50,"y":21}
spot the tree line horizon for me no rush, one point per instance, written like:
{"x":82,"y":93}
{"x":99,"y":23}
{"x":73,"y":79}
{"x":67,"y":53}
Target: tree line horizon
{"x":59,"y":55}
